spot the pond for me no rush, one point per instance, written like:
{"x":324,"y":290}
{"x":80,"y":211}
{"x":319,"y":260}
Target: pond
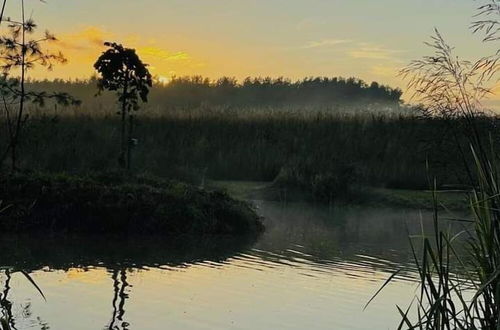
{"x":313,"y":268}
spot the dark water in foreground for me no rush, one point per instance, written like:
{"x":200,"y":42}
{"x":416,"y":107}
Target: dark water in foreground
{"x":313,"y":268}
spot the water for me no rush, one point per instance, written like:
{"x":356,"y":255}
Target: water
{"x":314,"y":268}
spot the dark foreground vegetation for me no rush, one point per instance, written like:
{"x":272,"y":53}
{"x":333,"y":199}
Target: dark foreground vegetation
{"x":116,"y":204}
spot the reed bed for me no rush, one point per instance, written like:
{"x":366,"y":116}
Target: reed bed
{"x":317,"y":152}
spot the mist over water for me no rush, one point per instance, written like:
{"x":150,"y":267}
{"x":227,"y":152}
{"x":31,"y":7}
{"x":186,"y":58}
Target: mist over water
{"x":313,"y":268}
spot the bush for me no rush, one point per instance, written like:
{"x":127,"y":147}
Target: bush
{"x":324,"y":184}
{"x":117,"y":204}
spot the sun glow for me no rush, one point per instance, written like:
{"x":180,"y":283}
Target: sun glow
{"x":162,"y":80}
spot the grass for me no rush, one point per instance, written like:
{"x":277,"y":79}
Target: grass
{"x":327,"y":156}
{"x":369,"y":196}
{"x":459,"y":290}
{"x":116,"y":204}
{"x":417,"y":199}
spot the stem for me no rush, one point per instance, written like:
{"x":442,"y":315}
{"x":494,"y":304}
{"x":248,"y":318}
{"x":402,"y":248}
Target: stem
{"x":19,"y":121}
{"x":129,"y":144}
{"x":3,"y":10}
{"x":9,"y":129}
{"x":124,"y":113}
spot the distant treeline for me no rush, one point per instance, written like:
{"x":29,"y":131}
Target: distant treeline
{"x":197,"y":91}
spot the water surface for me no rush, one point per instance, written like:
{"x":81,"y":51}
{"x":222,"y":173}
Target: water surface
{"x":313,"y":268}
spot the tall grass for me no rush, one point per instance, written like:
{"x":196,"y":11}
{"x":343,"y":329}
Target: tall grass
{"x":316,"y":152}
{"x":459,"y":290}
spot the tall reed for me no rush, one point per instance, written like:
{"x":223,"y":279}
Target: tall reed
{"x":459,"y":290}
{"x":306,"y":149}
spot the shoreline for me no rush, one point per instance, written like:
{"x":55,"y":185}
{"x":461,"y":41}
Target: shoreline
{"x":365,"y":196}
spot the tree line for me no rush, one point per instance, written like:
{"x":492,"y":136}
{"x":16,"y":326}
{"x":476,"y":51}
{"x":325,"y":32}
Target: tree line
{"x":195,"y":91}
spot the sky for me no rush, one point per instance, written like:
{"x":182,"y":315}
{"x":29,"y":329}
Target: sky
{"x":368,"y":39}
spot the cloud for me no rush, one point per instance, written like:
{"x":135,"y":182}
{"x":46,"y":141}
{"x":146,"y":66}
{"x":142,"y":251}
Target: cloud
{"x":83,"y":46}
{"x":88,"y":37}
{"x":326,"y":43}
{"x":162,"y":54}
{"x":368,"y":51}
{"x":88,"y":42}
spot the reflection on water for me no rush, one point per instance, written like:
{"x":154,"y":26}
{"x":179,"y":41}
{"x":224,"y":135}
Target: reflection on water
{"x":119,"y":286}
{"x":313,"y":268}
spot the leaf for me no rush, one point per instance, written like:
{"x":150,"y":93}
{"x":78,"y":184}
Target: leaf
{"x":33,"y":282}
{"x":382,"y":287}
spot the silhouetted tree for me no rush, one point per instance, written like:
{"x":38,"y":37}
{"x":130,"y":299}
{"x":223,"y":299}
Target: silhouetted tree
{"x":122,"y":71}
{"x":20,"y":52}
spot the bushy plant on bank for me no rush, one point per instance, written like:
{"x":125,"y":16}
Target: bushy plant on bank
{"x":59,"y":203}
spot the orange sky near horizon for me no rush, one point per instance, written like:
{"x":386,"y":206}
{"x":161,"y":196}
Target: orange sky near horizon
{"x":82,"y":47}
{"x":370,"y":40}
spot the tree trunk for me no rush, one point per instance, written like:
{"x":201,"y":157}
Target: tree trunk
{"x":129,"y":144}
{"x":123,"y":150}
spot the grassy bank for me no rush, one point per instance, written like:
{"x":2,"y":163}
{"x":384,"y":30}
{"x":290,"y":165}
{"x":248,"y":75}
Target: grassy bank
{"x":116,"y":204}
{"x":368,"y":196}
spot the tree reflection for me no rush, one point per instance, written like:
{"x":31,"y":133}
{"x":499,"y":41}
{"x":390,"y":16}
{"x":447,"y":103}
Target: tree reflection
{"x":120,"y":284}
{"x":7,"y":318}
{"x":67,"y":252}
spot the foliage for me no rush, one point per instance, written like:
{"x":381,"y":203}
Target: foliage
{"x":446,"y":85}
{"x":465,"y":296}
{"x":258,"y":91}
{"x":20,"y":52}
{"x":487,"y":20}
{"x":122,"y":71}
{"x":325,"y":181}
{"x":183,"y":94}
{"x":125,"y":205}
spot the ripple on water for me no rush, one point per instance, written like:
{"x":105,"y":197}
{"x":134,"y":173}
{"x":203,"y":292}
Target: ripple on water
{"x":312,"y":269}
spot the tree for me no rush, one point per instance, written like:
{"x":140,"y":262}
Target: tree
{"x":19,"y":54}
{"x":122,"y":71}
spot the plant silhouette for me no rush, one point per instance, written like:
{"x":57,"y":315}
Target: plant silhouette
{"x":19,"y":54}
{"x":122,"y":71}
